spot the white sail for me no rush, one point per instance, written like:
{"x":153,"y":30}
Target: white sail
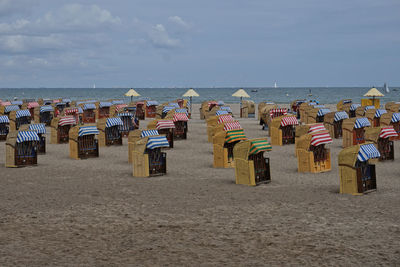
{"x":94,"y":86}
{"x":386,"y":88}
{"x":275,"y":86}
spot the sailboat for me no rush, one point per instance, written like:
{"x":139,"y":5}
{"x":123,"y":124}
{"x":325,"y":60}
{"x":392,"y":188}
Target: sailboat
{"x":94,"y":86}
{"x":275,"y":86}
{"x":386,"y":88}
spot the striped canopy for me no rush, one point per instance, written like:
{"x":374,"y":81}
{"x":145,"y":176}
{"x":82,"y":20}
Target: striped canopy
{"x":66,"y":100}
{"x":5,"y":103}
{"x":341,"y":115}
{"x":180,"y":117}
{"x":40,"y":128}
{"x":22,"y":113}
{"x":88,"y":106}
{"x":165,"y":124}
{"x":56,"y":100}
{"x":87,"y":130}
{"x":125,"y":114}
{"x":11,"y":108}
{"x":151,"y":103}
{"x":4,"y":119}
{"x":66,"y":120}
{"x":33,"y":104}
{"x":221,"y":112}
{"x":232,"y":126}
{"x":354,"y":106}
{"x":46,"y":109}
{"x":120,"y":107}
{"x":167,"y":108}
{"x":387,"y":132}
{"x":227,"y":108}
{"x":220,"y":103}
{"x":258,"y":146}
{"x":396,"y":117}
{"x":17,"y":102}
{"x":234,"y":136}
{"x":225,"y":118}
{"x":70,"y":111}
{"x":323,"y":111}
{"x":26,"y":136}
{"x":114,"y":122}
{"x":275,"y":112}
{"x":316,"y":128}
{"x":368,"y":108}
{"x":312,"y":103}
{"x":379,"y":112}
{"x":320,"y":138}
{"x":289,"y":121}
{"x":156,"y":142}
{"x":61,"y":104}
{"x":117,"y":102}
{"x":149,"y":133}
{"x":367,"y":152}
{"x":105,"y":104}
{"x":347,"y":101}
{"x":362,"y":122}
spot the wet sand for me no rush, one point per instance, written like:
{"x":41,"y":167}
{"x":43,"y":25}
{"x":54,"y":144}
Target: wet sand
{"x":93,"y":212}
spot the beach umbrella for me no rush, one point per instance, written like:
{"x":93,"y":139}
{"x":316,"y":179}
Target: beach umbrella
{"x":132,"y":93}
{"x":240,"y":93}
{"x":373,"y":92}
{"x":190,"y":93}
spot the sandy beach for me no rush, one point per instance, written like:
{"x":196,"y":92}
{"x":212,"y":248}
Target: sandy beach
{"x":93,"y":212}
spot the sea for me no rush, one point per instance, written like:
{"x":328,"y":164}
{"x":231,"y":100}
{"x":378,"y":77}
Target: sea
{"x":324,"y":95}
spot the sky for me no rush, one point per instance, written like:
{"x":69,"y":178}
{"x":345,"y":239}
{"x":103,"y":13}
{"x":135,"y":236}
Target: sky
{"x":186,"y":43}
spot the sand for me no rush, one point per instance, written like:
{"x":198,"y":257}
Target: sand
{"x":93,"y":212}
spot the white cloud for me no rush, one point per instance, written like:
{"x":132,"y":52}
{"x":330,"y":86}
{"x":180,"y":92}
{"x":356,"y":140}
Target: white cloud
{"x":160,"y":37}
{"x":23,"y":44}
{"x":179,"y":21}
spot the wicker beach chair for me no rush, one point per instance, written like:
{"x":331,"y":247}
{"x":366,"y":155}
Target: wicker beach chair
{"x":21,"y":148}
{"x":283,"y":130}
{"x":109,"y":131}
{"x":354,"y":131}
{"x":83,"y":143}
{"x":59,"y":129}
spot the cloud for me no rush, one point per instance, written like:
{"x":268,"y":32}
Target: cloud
{"x":12,"y":7}
{"x":180,"y":22}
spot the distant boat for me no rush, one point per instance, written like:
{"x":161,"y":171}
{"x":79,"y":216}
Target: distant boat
{"x":275,"y":86}
{"x":386,"y":88}
{"x":254,"y":90}
{"x":94,"y":86}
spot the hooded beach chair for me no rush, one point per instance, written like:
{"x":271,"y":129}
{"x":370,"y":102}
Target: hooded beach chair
{"x":44,"y":114}
{"x":109,"y":131}
{"x":380,"y":137}
{"x":140,"y":110}
{"x":263,"y":108}
{"x":283,"y":130}
{"x":6,"y":110}
{"x":352,"y":110}
{"x":129,"y":123}
{"x":270,"y":113}
{"x":76,"y":112}
{"x":59,"y":108}
{"x":361,"y":110}
{"x":181,"y":125}
{"x":31,"y":107}
{"x":40,"y":129}
{"x":21,"y":148}
{"x":83,"y":143}
{"x":374,"y":116}
{"x":213,"y":121}
{"x":103,"y":109}
{"x":357,"y":173}
{"x":306,"y":129}
{"x":60,"y":129}
{"x":19,"y":118}
{"x":251,"y":167}
{"x":4,"y":127}
{"x":135,"y":135}
{"x":206,"y":107}
{"x":333,"y":123}
{"x":312,"y":155}
{"x":148,"y":159}
{"x":393,"y":106}
{"x":117,"y":108}
{"x":295,"y":106}
{"x":354,"y":131}
{"x":317,"y":114}
{"x":391,"y":119}
{"x":164,"y":127}
{"x":89,"y":112}
{"x":344,"y":105}
{"x":226,"y":136}
{"x":248,"y":109}
{"x":151,"y":108}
